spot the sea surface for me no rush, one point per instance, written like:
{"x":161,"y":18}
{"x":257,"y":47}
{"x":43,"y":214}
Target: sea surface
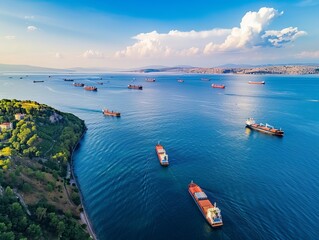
{"x":267,"y":187}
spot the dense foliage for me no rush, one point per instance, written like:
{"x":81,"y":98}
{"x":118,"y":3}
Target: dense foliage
{"x":44,"y":222}
{"x":34,"y":153}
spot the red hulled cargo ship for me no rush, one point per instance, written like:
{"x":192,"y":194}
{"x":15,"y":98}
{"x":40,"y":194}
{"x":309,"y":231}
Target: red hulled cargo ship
{"x":264,"y":128}
{"x":161,"y":154}
{"x":218,"y":86}
{"x":107,"y":112}
{"x":211,"y":212}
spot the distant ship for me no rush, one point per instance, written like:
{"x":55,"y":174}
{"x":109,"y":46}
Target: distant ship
{"x":211,"y":212}
{"x":150,"y":79}
{"x":90,"y":88}
{"x":68,"y":80}
{"x":138,"y":87}
{"x":78,"y":84}
{"x":218,"y":86}
{"x":261,"y":82}
{"x":161,"y":154}
{"x":111,"y":113}
{"x":101,"y":83}
{"x":264,"y":128}
{"x":37,"y":81}
{"x":205,"y":79}
{"x":180,"y":80}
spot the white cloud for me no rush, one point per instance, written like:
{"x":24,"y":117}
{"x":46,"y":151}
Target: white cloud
{"x":58,"y":55}
{"x":251,"y":34}
{"x":279,"y":38}
{"x":10,"y":37}
{"x":93,"y":54}
{"x":28,"y":17}
{"x":307,"y":54}
{"x":32,"y":28}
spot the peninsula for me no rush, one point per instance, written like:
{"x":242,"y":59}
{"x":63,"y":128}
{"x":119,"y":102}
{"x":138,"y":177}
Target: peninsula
{"x":38,"y":194}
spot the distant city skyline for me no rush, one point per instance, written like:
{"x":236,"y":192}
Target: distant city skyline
{"x":113,"y":34}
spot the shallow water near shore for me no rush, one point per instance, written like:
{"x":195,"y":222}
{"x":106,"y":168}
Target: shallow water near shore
{"x":266,"y":187}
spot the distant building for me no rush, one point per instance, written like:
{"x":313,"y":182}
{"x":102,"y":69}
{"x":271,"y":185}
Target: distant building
{"x":19,"y":116}
{"x":6,"y":126}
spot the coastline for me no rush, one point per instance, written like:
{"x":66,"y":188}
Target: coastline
{"x":84,"y":217}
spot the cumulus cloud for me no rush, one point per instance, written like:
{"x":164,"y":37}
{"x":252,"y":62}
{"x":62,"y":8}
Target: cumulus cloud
{"x":10,"y":37}
{"x":279,"y":38}
{"x":58,"y":55}
{"x":28,"y":17}
{"x":307,"y":54}
{"x":93,"y":54}
{"x":252,"y":33}
{"x":32,"y":28}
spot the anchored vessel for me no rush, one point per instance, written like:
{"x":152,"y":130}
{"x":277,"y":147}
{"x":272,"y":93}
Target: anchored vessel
{"x":180,"y":80}
{"x":205,"y":79}
{"x":138,"y":87}
{"x":264,"y":128}
{"x":111,"y":113}
{"x":251,"y":82}
{"x":161,"y":154}
{"x":68,"y":80}
{"x":150,"y":79}
{"x":37,"y":81}
{"x":217,"y":86}
{"x":210,"y":212}
{"x":78,"y":84}
{"x":90,"y":88}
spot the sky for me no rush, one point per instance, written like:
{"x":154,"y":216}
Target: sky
{"x":128,"y":34}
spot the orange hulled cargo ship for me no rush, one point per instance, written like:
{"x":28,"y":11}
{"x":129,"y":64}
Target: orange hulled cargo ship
{"x":138,"y":87}
{"x":252,"y":82}
{"x":218,"y":86}
{"x":264,"y":128}
{"x":107,"y":112}
{"x":211,"y":212}
{"x":161,"y":154}
{"x":90,"y":88}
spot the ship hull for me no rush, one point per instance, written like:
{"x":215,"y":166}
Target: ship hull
{"x":276,"y":133}
{"x":164,"y":164}
{"x":214,"y":225}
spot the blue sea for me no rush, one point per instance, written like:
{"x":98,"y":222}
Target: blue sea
{"x":267,"y":187}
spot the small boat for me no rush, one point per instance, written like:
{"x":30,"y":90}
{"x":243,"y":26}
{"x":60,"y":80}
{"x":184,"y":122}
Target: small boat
{"x":261,"y":82}
{"x":161,"y":154}
{"x":37,"y":81}
{"x":211,"y":212}
{"x":205,"y":79}
{"x":138,"y":87}
{"x":107,"y":112}
{"x":150,"y":79}
{"x":90,"y":88}
{"x":78,"y":84}
{"x":218,"y":86}
{"x":68,"y":80}
{"x":101,"y":83}
{"x":264,"y":128}
{"x":180,"y":80}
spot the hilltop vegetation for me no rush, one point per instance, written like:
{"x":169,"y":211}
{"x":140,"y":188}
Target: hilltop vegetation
{"x":35,"y":149}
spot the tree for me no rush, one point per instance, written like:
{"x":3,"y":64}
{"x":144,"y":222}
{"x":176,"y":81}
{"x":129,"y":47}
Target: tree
{"x":41,"y":213}
{"x":34,"y":231}
{"x":9,"y":192}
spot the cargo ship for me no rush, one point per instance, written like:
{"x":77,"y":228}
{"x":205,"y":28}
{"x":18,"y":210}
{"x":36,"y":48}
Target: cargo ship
{"x":217,"y":86}
{"x":150,"y":79}
{"x":211,"y":212}
{"x":68,"y":80}
{"x":180,"y":80}
{"x":78,"y":84}
{"x":205,"y":79}
{"x":107,"y":112}
{"x":37,"y":81}
{"x":264,"y":128}
{"x":138,"y":87}
{"x":251,"y":82}
{"x":161,"y":154}
{"x":90,"y":88}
